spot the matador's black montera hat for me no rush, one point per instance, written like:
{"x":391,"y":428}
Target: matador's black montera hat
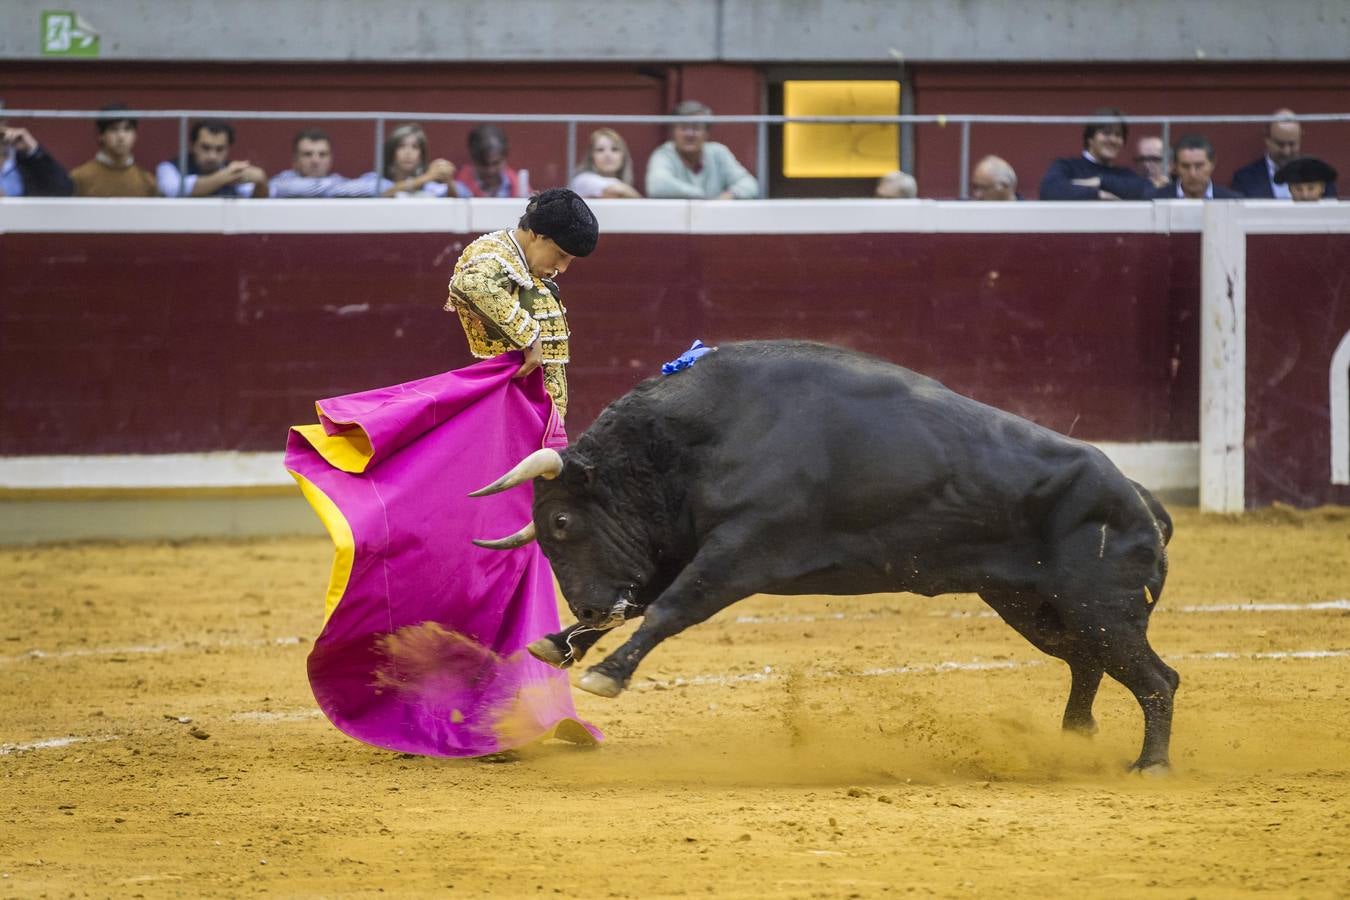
{"x":1305,"y":169}
{"x":562,"y":215}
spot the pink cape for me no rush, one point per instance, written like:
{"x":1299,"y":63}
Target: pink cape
{"x":422,"y":648}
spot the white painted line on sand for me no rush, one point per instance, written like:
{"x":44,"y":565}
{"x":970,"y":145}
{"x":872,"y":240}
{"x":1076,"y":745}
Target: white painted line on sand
{"x":768,"y":673}
{"x":265,"y":716}
{"x":149,"y":649}
{"x":1261,"y":607}
{"x":49,"y":743}
{"x":807,"y":618}
{"x":803,"y":619}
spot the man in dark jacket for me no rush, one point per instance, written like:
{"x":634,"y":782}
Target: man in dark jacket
{"x":27,"y":170}
{"x":1193,"y":167}
{"x":1284,"y":142}
{"x":1094,"y":175}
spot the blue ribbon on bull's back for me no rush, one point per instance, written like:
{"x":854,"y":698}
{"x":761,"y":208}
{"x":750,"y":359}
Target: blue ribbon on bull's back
{"x":686,"y":359}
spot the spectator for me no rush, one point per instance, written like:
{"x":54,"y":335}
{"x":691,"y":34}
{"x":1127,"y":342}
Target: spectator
{"x":210,"y":172}
{"x":27,"y":169}
{"x":1284,"y":143}
{"x":406,"y":170}
{"x":993,"y":179}
{"x":1308,"y":179}
{"x":1193,"y":161}
{"x":897,"y":185}
{"x":691,"y":167}
{"x":1094,"y":175}
{"x":1149,"y":162}
{"x":608,"y":169}
{"x":490,"y":176}
{"x":112,"y":172}
{"x":311,"y":173}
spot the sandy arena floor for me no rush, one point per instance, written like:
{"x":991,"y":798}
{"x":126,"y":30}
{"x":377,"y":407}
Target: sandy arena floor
{"x":808,"y":747}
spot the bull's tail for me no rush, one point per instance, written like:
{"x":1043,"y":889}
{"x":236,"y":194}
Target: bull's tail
{"x":1164,"y":522}
{"x":1159,"y":511}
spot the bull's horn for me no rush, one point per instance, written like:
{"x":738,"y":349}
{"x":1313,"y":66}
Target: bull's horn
{"x":519,"y":539}
{"x":546,"y":464}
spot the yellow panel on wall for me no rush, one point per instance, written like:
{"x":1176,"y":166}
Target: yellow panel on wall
{"x":840,"y":151}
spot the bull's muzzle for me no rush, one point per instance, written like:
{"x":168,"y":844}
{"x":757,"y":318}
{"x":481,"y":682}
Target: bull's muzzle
{"x":603,"y":620}
{"x":546,"y":464}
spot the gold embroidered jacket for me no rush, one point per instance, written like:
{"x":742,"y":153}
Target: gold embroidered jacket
{"x":503,"y":306}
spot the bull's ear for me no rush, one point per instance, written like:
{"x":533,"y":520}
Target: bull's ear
{"x":578,"y":474}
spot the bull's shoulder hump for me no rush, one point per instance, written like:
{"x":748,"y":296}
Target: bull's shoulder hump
{"x":809,"y":359}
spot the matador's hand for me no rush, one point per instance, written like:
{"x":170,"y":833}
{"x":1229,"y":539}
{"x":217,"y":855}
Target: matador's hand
{"x":534,"y":355}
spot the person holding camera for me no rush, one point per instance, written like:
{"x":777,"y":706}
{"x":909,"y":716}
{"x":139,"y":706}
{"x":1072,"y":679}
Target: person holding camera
{"x":28,"y":170}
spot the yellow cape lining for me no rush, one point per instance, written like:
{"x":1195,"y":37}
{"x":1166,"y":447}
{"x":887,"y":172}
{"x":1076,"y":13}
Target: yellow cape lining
{"x":347,"y":451}
{"x":344,"y":545}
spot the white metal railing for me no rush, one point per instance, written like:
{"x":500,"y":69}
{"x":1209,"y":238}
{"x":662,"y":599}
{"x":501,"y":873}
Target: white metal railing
{"x":571,"y":121}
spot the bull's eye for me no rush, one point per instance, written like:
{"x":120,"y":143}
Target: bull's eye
{"x":560,"y":521}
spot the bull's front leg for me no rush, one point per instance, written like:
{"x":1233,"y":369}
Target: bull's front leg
{"x":565,"y":647}
{"x":702,"y":589}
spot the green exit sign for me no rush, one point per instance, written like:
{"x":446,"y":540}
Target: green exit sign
{"x":66,"y":34}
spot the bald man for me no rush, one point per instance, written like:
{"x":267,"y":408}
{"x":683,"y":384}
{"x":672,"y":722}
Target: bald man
{"x":897,"y":185}
{"x":993,"y":179}
{"x":1284,"y":143}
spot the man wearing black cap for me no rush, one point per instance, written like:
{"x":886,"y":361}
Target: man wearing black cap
{"x":504,"y":291}
{"x":1308,"y":177}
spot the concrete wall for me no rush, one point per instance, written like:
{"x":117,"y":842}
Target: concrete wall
{"x":697,"y":30}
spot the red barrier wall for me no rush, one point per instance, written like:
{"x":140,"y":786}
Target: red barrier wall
{"x":1288,"y":431}
{"x":159,"y":343}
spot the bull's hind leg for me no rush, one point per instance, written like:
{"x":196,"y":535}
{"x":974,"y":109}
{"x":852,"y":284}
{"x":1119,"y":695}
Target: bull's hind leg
{"x":1034,"y":619}
{"x":1085,"y":677}
{"x":1125,"y":654}
{"x":1102,"y":598}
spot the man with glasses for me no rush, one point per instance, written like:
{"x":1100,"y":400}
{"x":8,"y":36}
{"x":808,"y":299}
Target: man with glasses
{"x":1284,"y":143}
{"x":1149,"y":162}
{"x":691,"y":167}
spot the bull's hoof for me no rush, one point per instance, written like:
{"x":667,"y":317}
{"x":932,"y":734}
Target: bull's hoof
{"x":599,"y":683}
{"x":546,"y":651}
{"x":1082,"y":729}
{"x":1152,"y":770}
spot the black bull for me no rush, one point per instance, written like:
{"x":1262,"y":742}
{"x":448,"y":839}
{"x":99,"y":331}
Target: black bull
{"x":794,"y":468}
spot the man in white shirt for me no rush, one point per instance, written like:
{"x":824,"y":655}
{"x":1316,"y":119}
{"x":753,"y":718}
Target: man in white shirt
{"x":311,"y":173}
{"x":210,"y":172}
